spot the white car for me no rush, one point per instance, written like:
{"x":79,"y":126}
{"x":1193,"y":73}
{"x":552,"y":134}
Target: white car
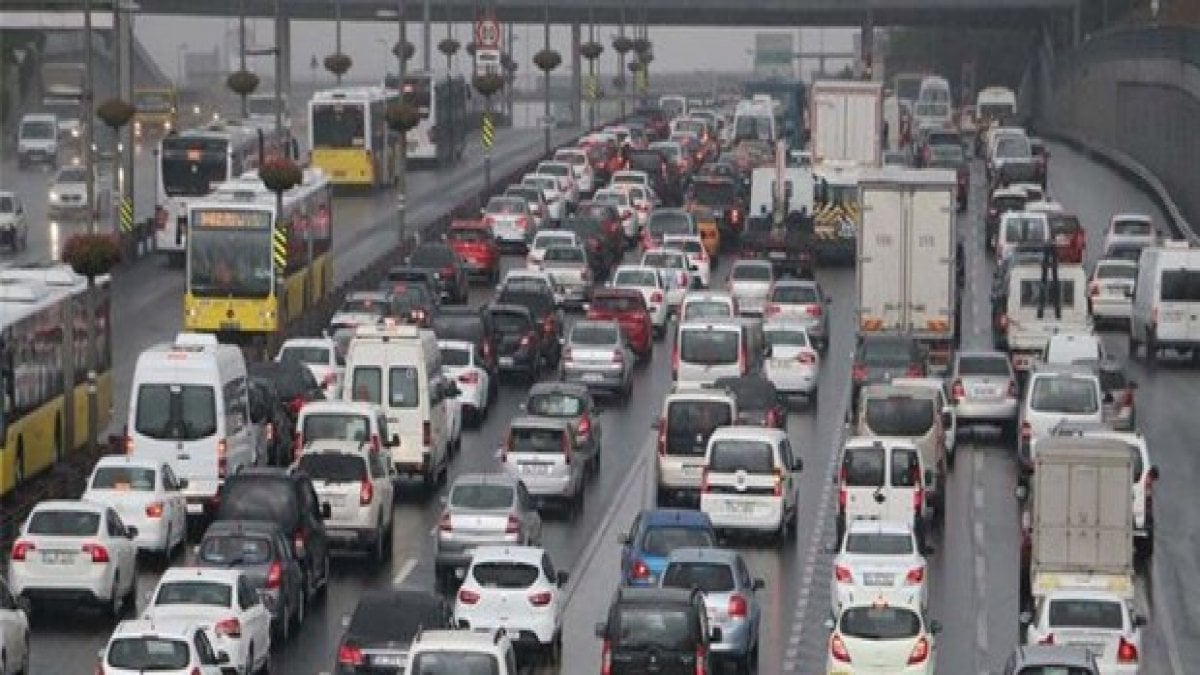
{"x":566,"y":179}
{"x":167,"y":647}
{"x":1102,"y":621}
{"x":14,"y":633}
{"x":585,"y":176}
{"x":751,"y":482}
{"x":794,"y":366}
{"x":360,"y":308}
{"x":14,"y":227}
{"x":68,"y":192}
{"x":1110,"y":290}
{"x":77,"y":551}
{"x":621,"y":201}
{"x":647,"y":281}
{"x":699,"y":264}
{"x":551,"y":191}
{"x":544,"y":240}
{"x":358,"y":484}
{"x":750,"y":283}
{"x":644,"y":200}
{"x":1130,"y":228}
{"x":1057,"y":395}
{"x":462,"y":363}
{"x":323,"y":358}
{"x":907,"y":648}
{"x":879,"y":559}
{"x":676,"y":272}
{"x":515,"y":588}
{"x":146,"y":494}
{"x":223,"y":598}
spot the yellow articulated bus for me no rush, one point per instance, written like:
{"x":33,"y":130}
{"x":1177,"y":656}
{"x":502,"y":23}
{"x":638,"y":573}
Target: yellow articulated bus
{"x":42,"y":372}
{"x":251,"y":269}
{"x":349,"y":137}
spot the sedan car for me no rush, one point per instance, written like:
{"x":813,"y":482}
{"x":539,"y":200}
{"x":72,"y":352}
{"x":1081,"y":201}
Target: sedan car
{"x":655,"y":534}
{"x":794,"y":366}
{"x":147,"y":495}
{"x":463,"y":362}
{"x":511,"y":220}
{"x":68,"y":193}
{"x":476,"y":246}
{"x":750,"y":283}
{"x":384,"y":625}
{"x":1100,"y":620}
{"x":894,"y":638}
{"x":730,"y":596}
{"x":544,"y":240}
{"x":675,"y":270}
{"x":440,"y":258}
{"x":1110,"y":290}
{"x":878,"y":559}
{"x":628,"y":308}
{"x":571,"y":272}
{"x":479,"y":509}
{"x":983,"y":388}
{"x":1130,"y":228}
{"x":800,"y":301}
{"x":519,"y":589}
{"x":598,"y":356}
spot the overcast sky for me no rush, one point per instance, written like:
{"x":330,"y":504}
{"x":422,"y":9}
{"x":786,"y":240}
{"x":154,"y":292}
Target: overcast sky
{"x":368,"y":44}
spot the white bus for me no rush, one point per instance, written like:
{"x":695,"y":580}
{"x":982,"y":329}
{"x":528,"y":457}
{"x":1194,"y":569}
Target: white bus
{"x":934,"y":108}
{"x":192,"y":163}
{"x":439,"y":139}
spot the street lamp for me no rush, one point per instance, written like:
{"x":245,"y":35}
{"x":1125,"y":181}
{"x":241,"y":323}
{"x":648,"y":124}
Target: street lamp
{"x":402,"y":168}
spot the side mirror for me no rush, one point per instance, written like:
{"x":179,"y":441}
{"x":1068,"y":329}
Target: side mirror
{"x":1021,"y":493}
{"x":657,"y":424}
{"x":716,"y":635}
{"x":222,"y":657}
{"x":935,"y":626}
{"x":395,"y":442}
{"x":928,"y":476}
{"x":326,"y":511}
{"x":345,"y":621}
{"x":181,"y":483}
{"x":601,"y":630}
{"x":830,"y":623}
{"x":1139,"y":620}
{"x":1154,"y":473}
{"x":758,"y":585}
{"x":797,"y":464}
{"x":562,"y":578}
{"x":623,"y":538}
{"x":928,"y":550}
{"x":131,"y":532}
{"x":1025,"y":618}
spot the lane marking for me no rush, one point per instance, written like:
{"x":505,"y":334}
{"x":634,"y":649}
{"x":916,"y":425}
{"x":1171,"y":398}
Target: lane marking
{"x":1162,"y":614}
{"x":977,"y":544}
{"x":406,"y":569}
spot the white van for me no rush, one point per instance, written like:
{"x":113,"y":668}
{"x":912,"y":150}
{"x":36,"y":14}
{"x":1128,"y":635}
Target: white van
{"x":189,"y":406}
{"x":399,"y":367}
{"x":708,"y":350}
{"x":911,"y":413}
{"x":882,"y":479}
{"x":341,"y":421}
{"x":1166,"y":300}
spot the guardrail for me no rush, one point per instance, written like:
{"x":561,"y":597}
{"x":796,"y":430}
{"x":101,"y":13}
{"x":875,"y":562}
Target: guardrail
{"x":1135,"y":171}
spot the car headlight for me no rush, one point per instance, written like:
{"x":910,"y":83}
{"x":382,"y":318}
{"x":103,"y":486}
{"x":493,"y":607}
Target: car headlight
{"x":53,"y":196}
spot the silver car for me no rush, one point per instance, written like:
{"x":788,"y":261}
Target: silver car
{"x":571,"y":273}
{"x":983,"y":388}
{"x":542,"y":453}
{"x":800,"y":301}
{"x":730,"y":596}
{"x":511,"y":220}
{"x":482,"y":509}
{"x":750,"y":282}
{"x":597,"y":356}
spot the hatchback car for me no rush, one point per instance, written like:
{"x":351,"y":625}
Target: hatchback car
{"x":800,"y":301}
{"x":519,"y":340}
{"x":675,"y":270}
{"x":483,"y":508}
{"x":983,"y":388}
{"x":654,"y":535}
{"x":750,"y":284}
{"x":476,"y":247}
{"x":360,"y":308}
{"x":571,"y":272}
{"x":1029,"y":659}
{"x":358,"y":483}
{"x":700,"y":264}
{"x":544,"y":240}
{"x":1099,"y":620}
{"x":651,"y":285}
{"x":516,"y":588}
{"x":463,"y":362}
{"x":598,"y":356}
{"x":174,"y":647}
{"x":794,"y":365}
{"x":542,"y":453}
{"x":573,"y":403}
{"x":730,"y":597}
{"x":512,"y":221}
{"x":1130,"y":228}
{"x":321,"y":356}
{"x":879,"y":559}
{"x":446,"y":265}
{"x":663,"y":628}
{"x":384,"y":625}
{"x":474,"y":326}
{"x":894,"y":638}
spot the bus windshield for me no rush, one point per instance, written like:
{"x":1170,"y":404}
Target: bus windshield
{"x":338,"y":125}
{"x":230,"y":263}
{"x":190,"y":167}
{"x":153,"y":101}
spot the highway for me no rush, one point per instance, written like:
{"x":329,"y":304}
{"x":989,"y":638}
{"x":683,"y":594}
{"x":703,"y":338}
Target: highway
{"x":974,"y":572}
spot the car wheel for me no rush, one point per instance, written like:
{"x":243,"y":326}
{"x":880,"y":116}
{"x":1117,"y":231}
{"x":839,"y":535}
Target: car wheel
{"x":377,"y":554}
{"x":554,"y":651}
{"x":283,"y":625}
{"x":297,"y":617}
{"x":116,"y":601}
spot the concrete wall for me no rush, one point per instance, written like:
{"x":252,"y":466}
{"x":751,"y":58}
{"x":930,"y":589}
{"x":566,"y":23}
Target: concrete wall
{"x":1133,"y":91}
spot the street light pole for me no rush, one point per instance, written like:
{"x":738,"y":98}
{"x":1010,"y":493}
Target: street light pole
{"x":242,"y":50}
{"x":337,"y":34}
{"x":88,"y":113}
{"x":546,"y":75}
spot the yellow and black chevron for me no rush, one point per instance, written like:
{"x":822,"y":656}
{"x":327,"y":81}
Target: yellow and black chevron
{"x":279,"y":248}
{"x":828,"y":219}
{"x":487,"y":130}
{"x":126,"y":214}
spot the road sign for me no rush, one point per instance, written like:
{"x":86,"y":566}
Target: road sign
{"x":487,"y":61}
{"x":126,"y":212}
{"x":488,"y":130}
{"x":592,"y":88}
{"x":487,"y":33}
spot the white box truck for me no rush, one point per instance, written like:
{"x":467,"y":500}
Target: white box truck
{"x":1078,"y":521}
{"x":846,"y":120}
{"x":907,"y":244}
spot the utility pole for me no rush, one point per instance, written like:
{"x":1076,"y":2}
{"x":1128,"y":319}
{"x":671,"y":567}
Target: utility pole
{"x":242,"y":49}
{"x":546,"y":74}
{"x":87,"y":113}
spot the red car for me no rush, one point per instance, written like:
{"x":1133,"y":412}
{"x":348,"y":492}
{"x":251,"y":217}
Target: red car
{"x":628,"y":307}
{"x":472,"y":240}
{"x":1070,"y":239}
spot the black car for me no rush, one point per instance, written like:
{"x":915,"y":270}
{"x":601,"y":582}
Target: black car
{"x":474,"y":326}
{"x":519,"y":339}
{"x":879,"y":359}
{"x":658,"y":630}
{"x":294,"y":383}
{"x":287,"y":499}
{"x":758,"y":401}
{"x":610,"y":218}
{"x":262,"y":551}
{"x":383,"y":626}
{"x":540,"y":302}
{"x":267,"y":410}
{"x":411,"y":302}
{"x":663,"y":173}
{"x":414,"y":275}
{"x":589,"y":230}
{"x":448,"y":269}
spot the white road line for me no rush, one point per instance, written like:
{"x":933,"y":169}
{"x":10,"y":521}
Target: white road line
{"x":1166,"y":625}
{"x":981,"y":618}
{"x":405,"y":570}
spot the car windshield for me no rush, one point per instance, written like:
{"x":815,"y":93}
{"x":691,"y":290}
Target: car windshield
{"x":1132,"y":228}
{"x":1116,"y":271}
{"x":751,"y":273}
{"x":564,"y":254}
{"x":64,"y":523}
{"x":147,"y":654}
{"x":876,"y":543}
{"x":333,"y":467}
{"x":1079,"y":613}
{"x":548,"y":239}
{"x":556,"y":404}
{"x":178,"y":412}
{"x":784,"y":337}
{"x":661,"y":540}
{"x":752,"y":392}
{"x":235,"y":549}
{"x":209,"y":593}
{"x":899,"y":415}
{"x":37,"y":129}
{"x":618,"y":303}
{"x":709,"y":347}
{"x":880,"y":623}
{"x":648,"y":277}
{"x":456,"y":356}
{"x":506,"y":206}
{"x":1179,"y":285}
{"x":804,"y":295}
{"x":1005,"y":203}
{"x":554,"y":170}
{"x":691,"y":423}
{"x":124,"y":478}
{"x":595,"y":334}
{"x":708,"y":577}
{"x":664,"y":259}
{"x":71,"y":176}
{"x":1022,"y":229}
{"x":1065,"y":395}
{"x":505,"y":575}
{"x":995,"y":366}
{"x":335,"y":427}
{"x":444,"y":662}
{"x":887,"y":352}
{"x":706,"y":309}
{"x":659,"y":627}
{"x":611,"y":198}
{"x":669,"y":223}
{"x":481,"y":496}
{"x":714,"y":193}
{"x":511,"y":323}
{"x":535,"y":439}
{"x":732,"y":455}
{"x":1016,"y":147}
{"x":309,"y":355}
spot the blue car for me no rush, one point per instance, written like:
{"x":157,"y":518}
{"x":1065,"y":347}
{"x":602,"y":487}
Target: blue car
{"x":655,"y":533}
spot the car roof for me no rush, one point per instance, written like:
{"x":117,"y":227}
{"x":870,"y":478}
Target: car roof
{"x":227,"y":527}
{"x":526,"y":554}
{"x":324,"y":446}
{"x":511,"y":309}
{"x":340,"y":407}
{"x":557,"y":423}
{"x":655,"y":596}
{"x":866,"y":442}
{"x":748,"y":432}
{"x":873,"y":526}
{"x":798,"y":283}
{"x":179,"y":628}
{"x":69,"y":505}
{"x":559,"y":388}
{"x":130,"y":461}
{"x":703,"y":554}
{"x":484,"y":479}
{"x":1063,"y":370}
{"x":682,"y":517}
{"x":228,"y":575}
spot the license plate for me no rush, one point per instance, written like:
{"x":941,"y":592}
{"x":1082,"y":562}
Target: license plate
{"x":878,"y":579}
{"x":194,"y":508}
{"x":592,"y":377}
{"x":777,"y":255}
{"x":983,"y":392}
{"x":782,"y":363}
{"x":506,"y":360}
{"x":387,"y":661}
{"x":540,"y":469}
{"x":690,"y":469}
{"x":738,"y":507}
{"x":1115,"y":289}
{"x":57,"y":557}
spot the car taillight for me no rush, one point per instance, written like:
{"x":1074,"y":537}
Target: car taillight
{"x":807,"y":358}
{"x":1127,"y":398}
{"x":1012,"y":389}
{"x":837,"y":649}
{"x":1093,"y":289}
{"x":919,"y":493}
{"x":522,"y":222}
{"x":771,"y":309}
{"x":585,"y":427}
{"x":222,"y":458}
{"x":512,"y":525}
{"x":527,"y":340}
{"x":540,"y":599}
{"x":957,"y":391}
{"x":230,"y":627}
{"x":606,"y":658}
{"x":772,"y":418}
{"x":640,"y":570}
{"x":21,"y":549}
{"x":275,"y":575}
{"x":701,"y":660}
{"x":1026,"y":431}
{"x":920,"y":651}
{"x":469,"y":377}
{"x":738,"y":607}
{"x":859,"y":372}
{"x":295,"y":405}
{"x":1127,"y":652}
{"x":1047,"y":640}
{"x":777,"y":490}
{"x":298,"y":542}
{"x":656,"y":296}
{"x":915,"y":576}
{"x":426,"y":434}
{"x":154,"y":510}
{"x":366,"y":492}
{"x":1002,"y":323}
{"x":549,"y":325}
{"x":914,"y":371}
{"x":814,"y":310}
{"x":618,"y":356}
{"x":349,"y":655}
{"x":467,"y":596}
{"x":735,"y":215}
{"x":842,"y":574}
{"x":128,"y":442}
{"x":742,"y":360}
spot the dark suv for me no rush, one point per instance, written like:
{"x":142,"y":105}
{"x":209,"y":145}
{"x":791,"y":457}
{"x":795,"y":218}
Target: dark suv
{"x":541,"y":304}
{"x":474,"y":326}
{"x":447,"y":268}
{"x":658,"y":630}
{"x":519,"y":340}
{"x":383,"y":627}
{"x":287,"y":499}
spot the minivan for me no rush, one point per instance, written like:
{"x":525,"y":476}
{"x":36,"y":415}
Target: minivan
{"x":706,"y":351}
{"x":190,"y":407}
{"x":1166,"y":300}
{"x":882,"y":479}
{"x":913,"y":414}
{"x":416,"y":397}
{"x":689,"y":418}
{"x":341,"y":421}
